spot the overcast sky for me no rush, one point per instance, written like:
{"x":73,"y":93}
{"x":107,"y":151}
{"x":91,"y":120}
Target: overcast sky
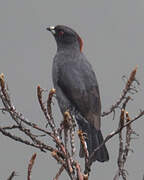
{"x":113,"y":35}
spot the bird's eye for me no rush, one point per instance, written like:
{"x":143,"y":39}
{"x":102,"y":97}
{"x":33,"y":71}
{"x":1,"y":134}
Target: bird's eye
{"x":61,"y":33}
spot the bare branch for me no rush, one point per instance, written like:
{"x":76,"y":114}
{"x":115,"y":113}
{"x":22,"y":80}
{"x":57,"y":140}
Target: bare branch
{"x":47,"y":111}
{"x":59,"y":173}
{"x":40,"y":146}
{"x":79,"y":173}
{"x":63,"y":163}
{"x":12,"y":175}
{"x":124,"y":150}
{"x":64,"y":144}
{"x":125,"y":91}
{"x":49,"y":102}
{"x":43,"y":108}
{"x":10,"y":127}
{"x":112,"y":134}
{"x":84,"y":146}
{"x":31,"y":163}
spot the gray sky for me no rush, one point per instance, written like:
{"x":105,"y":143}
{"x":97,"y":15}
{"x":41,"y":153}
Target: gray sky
{"x":113,"y":35}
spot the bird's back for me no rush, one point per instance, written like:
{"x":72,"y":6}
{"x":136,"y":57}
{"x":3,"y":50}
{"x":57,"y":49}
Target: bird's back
{"x":74,"y":76}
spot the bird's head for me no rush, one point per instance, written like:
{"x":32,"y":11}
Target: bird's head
{"x":66,"y":37}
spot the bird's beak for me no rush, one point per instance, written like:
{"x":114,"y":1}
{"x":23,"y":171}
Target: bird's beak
{"x":51,"y":29}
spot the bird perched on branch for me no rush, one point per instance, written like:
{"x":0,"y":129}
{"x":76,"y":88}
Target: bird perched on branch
{"x":77,"y":88}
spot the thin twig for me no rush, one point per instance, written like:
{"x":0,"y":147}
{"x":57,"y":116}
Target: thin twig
{"x":62,"y":162}
{"x":126,"y":90}
{"x":59,"y":173}
{"x":124,"y":150}
{"x":39,"y":95}
{"x":10,"y":127}
{"x":83,"y":143}
{"x":12,"y":175}
{"x":79,"y":173}
{"x":30,"y":166}
{"x":40,"y":146}
{"x":120,"y":159}
{"x":49,"y":102}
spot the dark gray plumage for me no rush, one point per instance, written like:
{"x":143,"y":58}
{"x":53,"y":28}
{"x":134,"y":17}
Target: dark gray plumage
{"x":77,"y":88}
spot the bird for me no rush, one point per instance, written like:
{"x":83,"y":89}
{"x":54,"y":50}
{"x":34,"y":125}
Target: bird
{"x":77,"y":88}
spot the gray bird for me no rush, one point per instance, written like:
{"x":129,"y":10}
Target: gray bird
{"x":77,"y":88}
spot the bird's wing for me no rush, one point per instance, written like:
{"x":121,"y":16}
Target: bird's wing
{"x":79,"y":84}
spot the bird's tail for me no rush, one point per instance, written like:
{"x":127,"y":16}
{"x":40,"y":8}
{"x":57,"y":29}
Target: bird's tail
{"x":93,"y":139}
